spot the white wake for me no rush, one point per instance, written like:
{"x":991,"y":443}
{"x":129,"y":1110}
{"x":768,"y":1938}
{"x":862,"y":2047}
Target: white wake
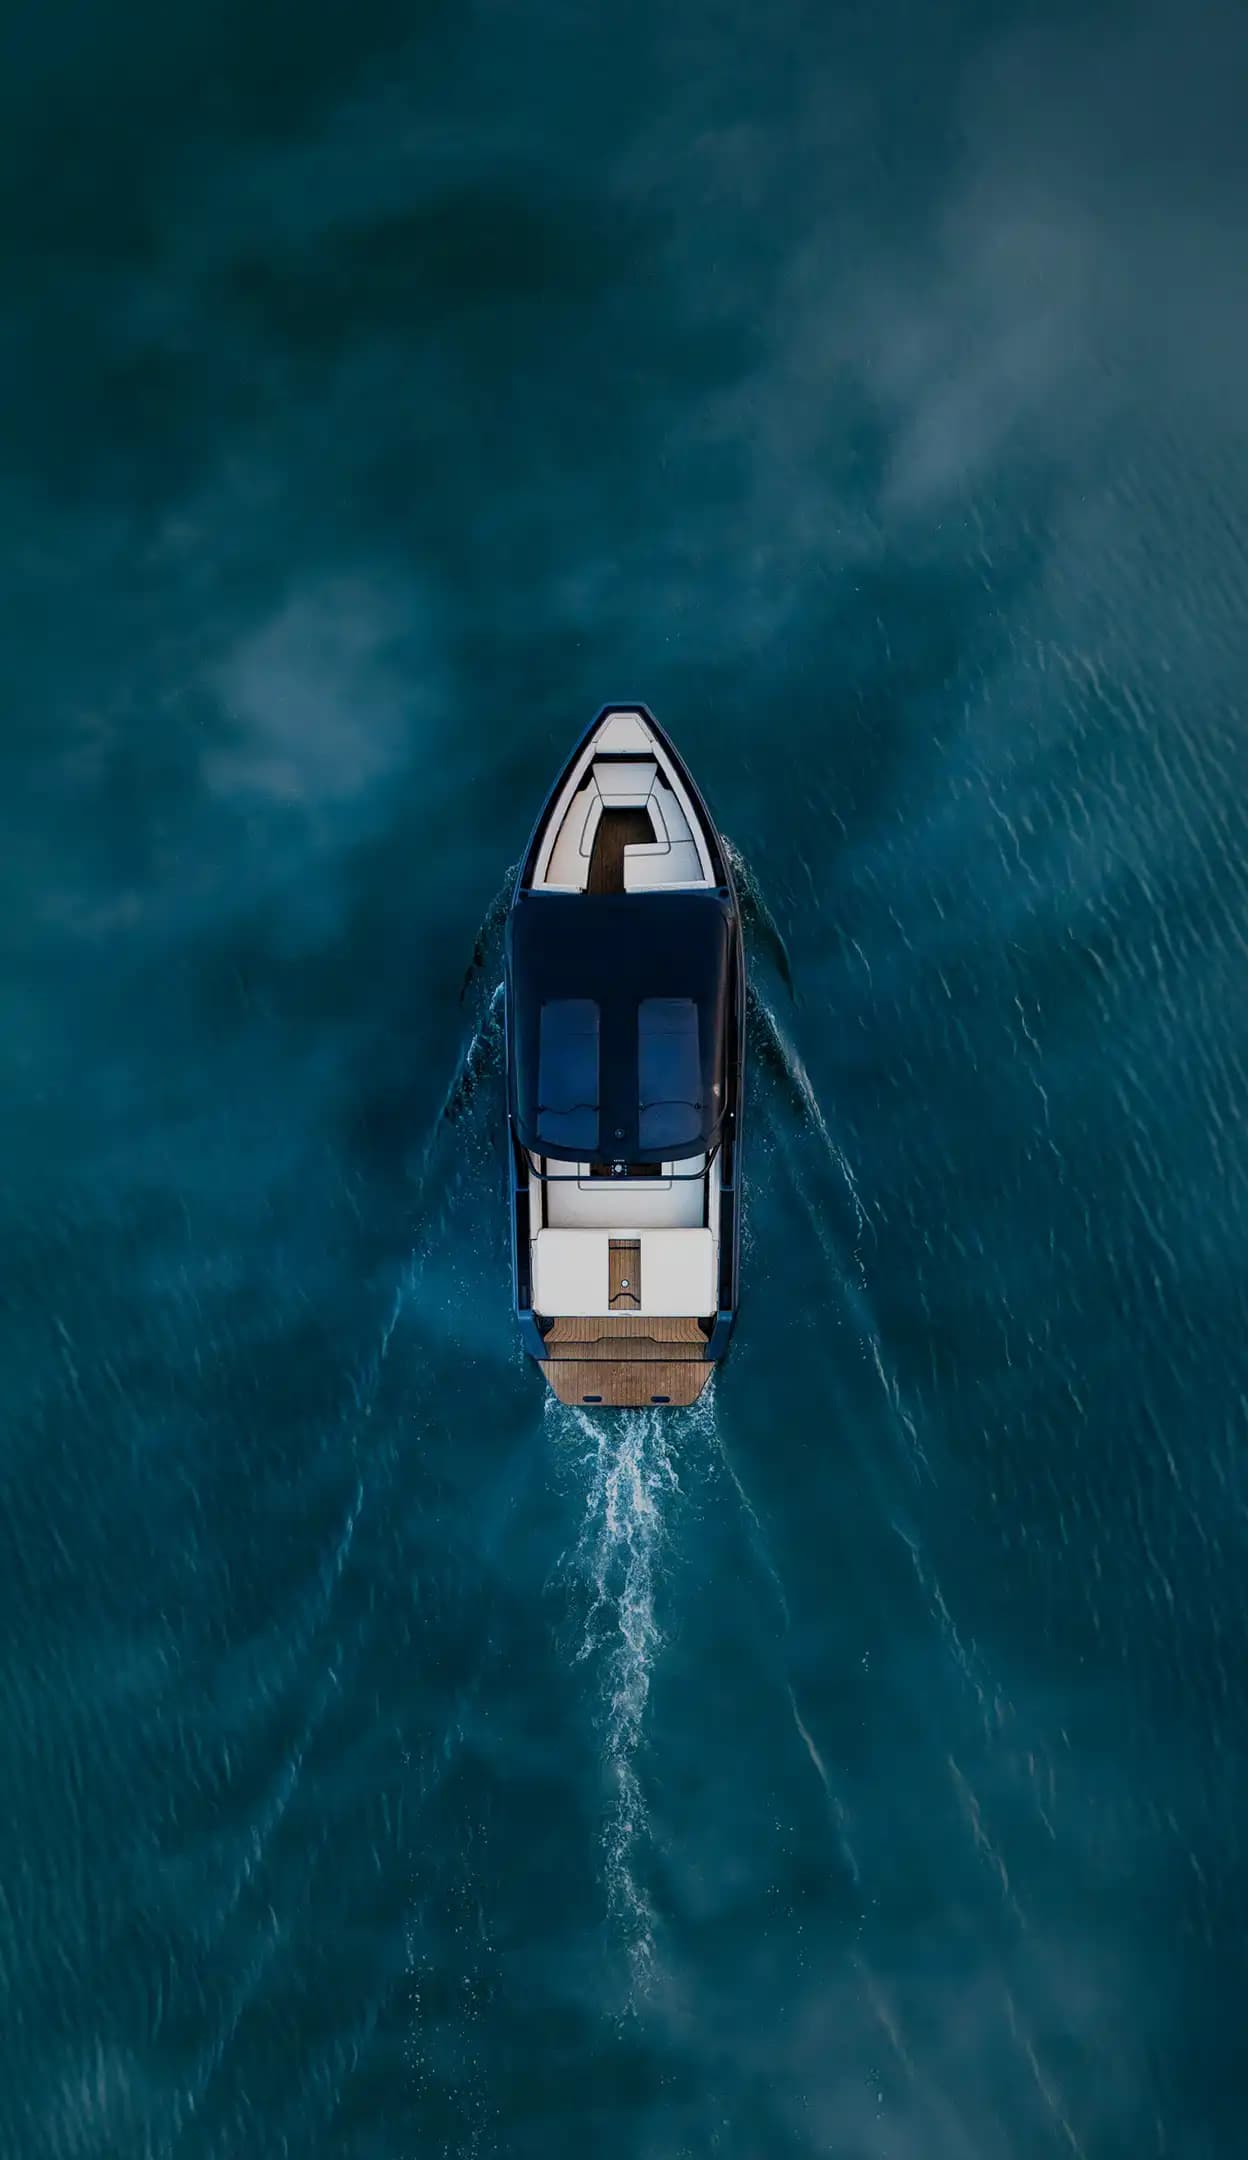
{"x":627,"y":1467}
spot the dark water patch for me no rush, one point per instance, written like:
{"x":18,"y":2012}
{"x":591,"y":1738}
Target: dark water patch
{"x":869,"y":404}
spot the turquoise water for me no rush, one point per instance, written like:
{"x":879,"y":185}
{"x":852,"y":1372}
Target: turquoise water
{"x":397,"y":1763}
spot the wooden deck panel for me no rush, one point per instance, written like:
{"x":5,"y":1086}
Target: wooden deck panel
{"x":632,"y":1349}
{"x":617,"y":829}
{"x":627,"y":1359}
{"x":624,"y":1265}
{"x":631,"y":1386}
{"x":585,"y":1335}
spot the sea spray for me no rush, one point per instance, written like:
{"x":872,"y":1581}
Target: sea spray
{"x":480,"y":1059}
{"x":487,"y":950}
{"x":761,"y":928}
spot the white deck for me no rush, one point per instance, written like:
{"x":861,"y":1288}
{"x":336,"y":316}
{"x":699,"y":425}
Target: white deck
{"x":571,"y":1273}
{"x":624,"y":1204}
{"x":607,"y":775}
{"x":578,"y":1218}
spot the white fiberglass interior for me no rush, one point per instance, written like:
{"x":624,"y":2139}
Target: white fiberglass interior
{"x":572,"y":1274}
{"x":673,"y":1218}
{"x":624,"y":767}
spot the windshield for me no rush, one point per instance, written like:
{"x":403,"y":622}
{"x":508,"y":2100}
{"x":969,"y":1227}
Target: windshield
{"x":617,"y":1014}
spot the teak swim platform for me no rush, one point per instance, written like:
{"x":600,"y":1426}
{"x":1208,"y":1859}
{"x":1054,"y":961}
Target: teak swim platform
{"x":625,"y":1002}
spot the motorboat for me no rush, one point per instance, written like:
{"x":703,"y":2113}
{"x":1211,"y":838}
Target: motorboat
{"x":625,"y":1017}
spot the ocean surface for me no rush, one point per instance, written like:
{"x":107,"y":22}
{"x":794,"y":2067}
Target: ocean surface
{"x":395,"y":1764}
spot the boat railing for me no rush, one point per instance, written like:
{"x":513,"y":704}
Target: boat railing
{"x":619,"y":1172}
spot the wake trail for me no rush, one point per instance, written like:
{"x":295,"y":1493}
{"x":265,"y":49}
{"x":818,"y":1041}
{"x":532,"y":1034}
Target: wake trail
{"x":782,"y":1060}
{"x":837,"y":1812}
{"x":478,"y":1069}
{"x":757,"y":1536}
{"x":758,"y":920}
{"x":627,"y":1464}
{"x":436,"y":1178}
{"x":779,"y":1056}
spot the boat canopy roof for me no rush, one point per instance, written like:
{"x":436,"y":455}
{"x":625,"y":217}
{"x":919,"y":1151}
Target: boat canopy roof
{"x":617,"y":1018}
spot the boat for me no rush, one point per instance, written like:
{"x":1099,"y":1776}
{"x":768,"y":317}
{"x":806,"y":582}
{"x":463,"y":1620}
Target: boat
{"x":625,"y":1031}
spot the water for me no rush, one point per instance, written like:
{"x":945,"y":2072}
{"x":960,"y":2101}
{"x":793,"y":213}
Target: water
{"x":394,"y":1762}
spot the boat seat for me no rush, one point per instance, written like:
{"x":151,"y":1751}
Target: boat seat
{"x":625,"y":784}
{"x":569,"y":858}
{"x":571,"y":1272}
{"x":678,"y":1272}
{"x":668,"y":815}
{"x":671,"y":859}
{"x":625,"y":731}
{"x":647,"y":866}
